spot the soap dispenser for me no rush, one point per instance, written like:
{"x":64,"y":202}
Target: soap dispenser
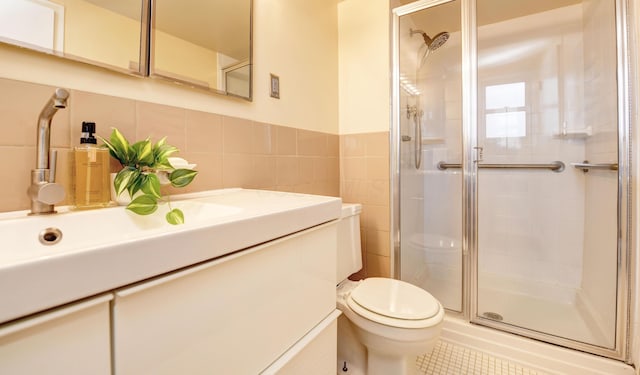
{"x":90,"y":171}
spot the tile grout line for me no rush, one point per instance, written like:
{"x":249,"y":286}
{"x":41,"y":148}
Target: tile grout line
{"x":450,"y":359}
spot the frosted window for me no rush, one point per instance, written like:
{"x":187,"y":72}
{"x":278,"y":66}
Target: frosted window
{"x":510,"y":95}
{"x":507,"y":124}
{"x":505,"y":110}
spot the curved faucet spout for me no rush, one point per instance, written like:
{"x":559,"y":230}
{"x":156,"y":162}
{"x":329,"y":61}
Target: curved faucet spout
{"x":57,"y":101}
{"x":43,"y":191}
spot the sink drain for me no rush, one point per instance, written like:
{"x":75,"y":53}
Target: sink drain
{"x":50,"y":236}
{"x":492,"y":316}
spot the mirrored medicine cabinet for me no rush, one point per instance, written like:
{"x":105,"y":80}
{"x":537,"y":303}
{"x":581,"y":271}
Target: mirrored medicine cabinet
{"x":198,"y":43}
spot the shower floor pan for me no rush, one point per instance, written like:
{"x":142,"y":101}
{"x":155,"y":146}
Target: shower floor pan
{"x":567,"y":319}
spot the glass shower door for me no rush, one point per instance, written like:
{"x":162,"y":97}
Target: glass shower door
{"x":431,"y":131}
{"x":547,"y":182}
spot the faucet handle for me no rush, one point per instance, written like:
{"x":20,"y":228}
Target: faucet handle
{"x":50,"y":193}
{"x":43,"y":194}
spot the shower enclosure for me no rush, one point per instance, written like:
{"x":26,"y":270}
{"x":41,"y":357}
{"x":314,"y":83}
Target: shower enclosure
{"x":510,"y":164}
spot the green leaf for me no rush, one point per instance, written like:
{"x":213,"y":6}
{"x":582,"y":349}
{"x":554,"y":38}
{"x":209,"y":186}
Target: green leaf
{"x":182,"y":177}
{"x":115,"y":153}
{"x":160,"y":143}
{"x":119,"y":147}
{"x":136,"y":183}
{"x":124,"y":178}
{"x":175,"y":217}
{"x":151,"y":185}
{"x":162,"y":151}
{"x":143,"y":205}
{"x":144,"y":152}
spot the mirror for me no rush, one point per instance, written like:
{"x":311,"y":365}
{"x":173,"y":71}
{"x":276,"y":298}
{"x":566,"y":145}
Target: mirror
{"x":101,"y":32}
{"x":204,"y":44}
{"x":200,"y":43}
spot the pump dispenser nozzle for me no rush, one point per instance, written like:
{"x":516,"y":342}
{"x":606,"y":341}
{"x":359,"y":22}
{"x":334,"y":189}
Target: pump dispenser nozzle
{"x":88,"y":129}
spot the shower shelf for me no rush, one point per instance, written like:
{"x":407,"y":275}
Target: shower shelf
{"x":574,"y":133}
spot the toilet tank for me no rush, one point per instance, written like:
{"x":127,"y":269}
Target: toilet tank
{"x":349,"y":257}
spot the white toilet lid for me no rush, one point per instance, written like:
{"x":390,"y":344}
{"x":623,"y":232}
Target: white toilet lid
{"x":395,"y":299}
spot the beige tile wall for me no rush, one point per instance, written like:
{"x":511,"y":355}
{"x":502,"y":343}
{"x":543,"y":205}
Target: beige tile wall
{"x":230,"y":152}
{"x":364,"y":179}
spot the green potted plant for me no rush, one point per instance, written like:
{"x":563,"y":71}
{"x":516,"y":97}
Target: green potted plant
{"x":145,"y":166}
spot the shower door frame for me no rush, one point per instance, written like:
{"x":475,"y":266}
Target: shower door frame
{"x":625,"y":75}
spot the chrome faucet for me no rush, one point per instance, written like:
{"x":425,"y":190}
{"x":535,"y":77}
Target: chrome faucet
{"x":44,"y":192}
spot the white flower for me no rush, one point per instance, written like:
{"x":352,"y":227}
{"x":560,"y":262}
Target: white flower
{"x":180,"y":163}
{"x":176,"y":163}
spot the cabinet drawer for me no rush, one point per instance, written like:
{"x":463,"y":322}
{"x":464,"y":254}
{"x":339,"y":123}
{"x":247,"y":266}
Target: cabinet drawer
{"x":314,"y":354}
{"x":234,"y":315}
{"x":66,"y":341}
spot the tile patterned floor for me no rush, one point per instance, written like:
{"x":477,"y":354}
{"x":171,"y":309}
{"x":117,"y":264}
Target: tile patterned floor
{"x":450,"y":359}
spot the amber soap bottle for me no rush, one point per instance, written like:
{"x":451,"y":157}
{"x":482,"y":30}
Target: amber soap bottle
{"x":91,"y":171}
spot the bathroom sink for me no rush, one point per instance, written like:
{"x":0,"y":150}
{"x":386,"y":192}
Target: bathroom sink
{"x":27,"y":238}
{"x":49,"y":260}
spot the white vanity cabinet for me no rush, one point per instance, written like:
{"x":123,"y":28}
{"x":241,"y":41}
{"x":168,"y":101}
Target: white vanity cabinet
{"x":245,"y":286}
{"x":74,"y":339}
{"x":267,"y":309}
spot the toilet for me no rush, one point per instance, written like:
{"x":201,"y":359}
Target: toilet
{"x":386,"y":323}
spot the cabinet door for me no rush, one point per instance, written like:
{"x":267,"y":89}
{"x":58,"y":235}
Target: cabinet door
{"x":315,"y":354}
{"x":66,"y":341}
{"x":234,"y":315}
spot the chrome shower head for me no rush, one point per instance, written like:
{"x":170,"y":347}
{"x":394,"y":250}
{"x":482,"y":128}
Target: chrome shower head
{"x":436,"y":42}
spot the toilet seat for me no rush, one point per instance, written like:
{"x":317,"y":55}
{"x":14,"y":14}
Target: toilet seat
{"x":394,"y":303}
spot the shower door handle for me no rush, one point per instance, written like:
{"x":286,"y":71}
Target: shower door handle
{"x":479,"y":153}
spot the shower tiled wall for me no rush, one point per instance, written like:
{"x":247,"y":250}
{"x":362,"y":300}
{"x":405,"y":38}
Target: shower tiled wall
{"x":364,"y":178}
{"x":229,"y":151}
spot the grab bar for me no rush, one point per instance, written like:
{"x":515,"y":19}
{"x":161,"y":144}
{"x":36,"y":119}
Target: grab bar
{"x":556,"y":166}
{"x":586,"y":166}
